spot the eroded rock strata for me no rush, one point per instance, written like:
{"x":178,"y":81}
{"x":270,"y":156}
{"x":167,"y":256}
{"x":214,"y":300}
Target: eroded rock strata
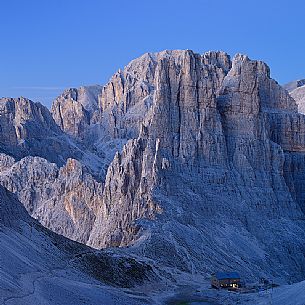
{"x":297,"y":91}
{"x":204,"y":166}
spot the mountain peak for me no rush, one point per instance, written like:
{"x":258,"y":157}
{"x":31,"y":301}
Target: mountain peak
{"x":294,"y":85}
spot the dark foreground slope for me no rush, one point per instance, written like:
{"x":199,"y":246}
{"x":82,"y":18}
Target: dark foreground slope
{"x":38,"y":266}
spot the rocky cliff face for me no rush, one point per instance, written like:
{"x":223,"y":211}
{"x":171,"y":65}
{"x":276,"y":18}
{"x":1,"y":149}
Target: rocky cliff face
{"x":216,"y":153}
{"x":298,"y":94}
{"x":64,"y":199}
{"x":204,"y":166}
{"x":72,"y":111}
{"x":28,"y":128}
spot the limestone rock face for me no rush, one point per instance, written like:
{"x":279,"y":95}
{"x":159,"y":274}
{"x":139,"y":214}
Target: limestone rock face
{"x":289,"y":131}
{"x":21,"y":119}
{"x":183,"y":120}
{"x":6,"y":162}
{"x":216,"y":150}
{"x":127,"y":97}
{"x":297,"y":90}
{"x":299,"y":95}
{"x":127,"y":196}
{"x":204,"y":166}
{"x":64,"y":199}
{"x":27,"y":128}
{"x":72,"y":110}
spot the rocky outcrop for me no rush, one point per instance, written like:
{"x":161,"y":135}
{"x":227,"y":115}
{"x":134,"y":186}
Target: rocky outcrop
{"x":72,"y":110}
{"x":289,"y":131}
{"x":127,"y":196}
{"x":127,"y":97}
{"x":299,"y":95}
{"x":206,"y":167}
{"x":297,"y":90}
{"x":126,"y":100}
{"x":27,"y":128}
{"x":21,"y":119}
{"x":214,"y":152}
{"x":6,"y":162}
{"x":131,"y":176}
{"x":65,"y":200}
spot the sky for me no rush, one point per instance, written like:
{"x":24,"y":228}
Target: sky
{"x":49,"y":45}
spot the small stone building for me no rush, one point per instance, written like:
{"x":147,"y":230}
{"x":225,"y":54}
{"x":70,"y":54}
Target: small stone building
{"x":226,"y":280}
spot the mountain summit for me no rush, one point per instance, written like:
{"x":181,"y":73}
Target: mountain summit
{"x":193,"y":162}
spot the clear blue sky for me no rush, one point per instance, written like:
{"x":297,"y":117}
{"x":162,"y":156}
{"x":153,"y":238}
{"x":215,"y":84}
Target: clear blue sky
{"x":48,"y":45}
